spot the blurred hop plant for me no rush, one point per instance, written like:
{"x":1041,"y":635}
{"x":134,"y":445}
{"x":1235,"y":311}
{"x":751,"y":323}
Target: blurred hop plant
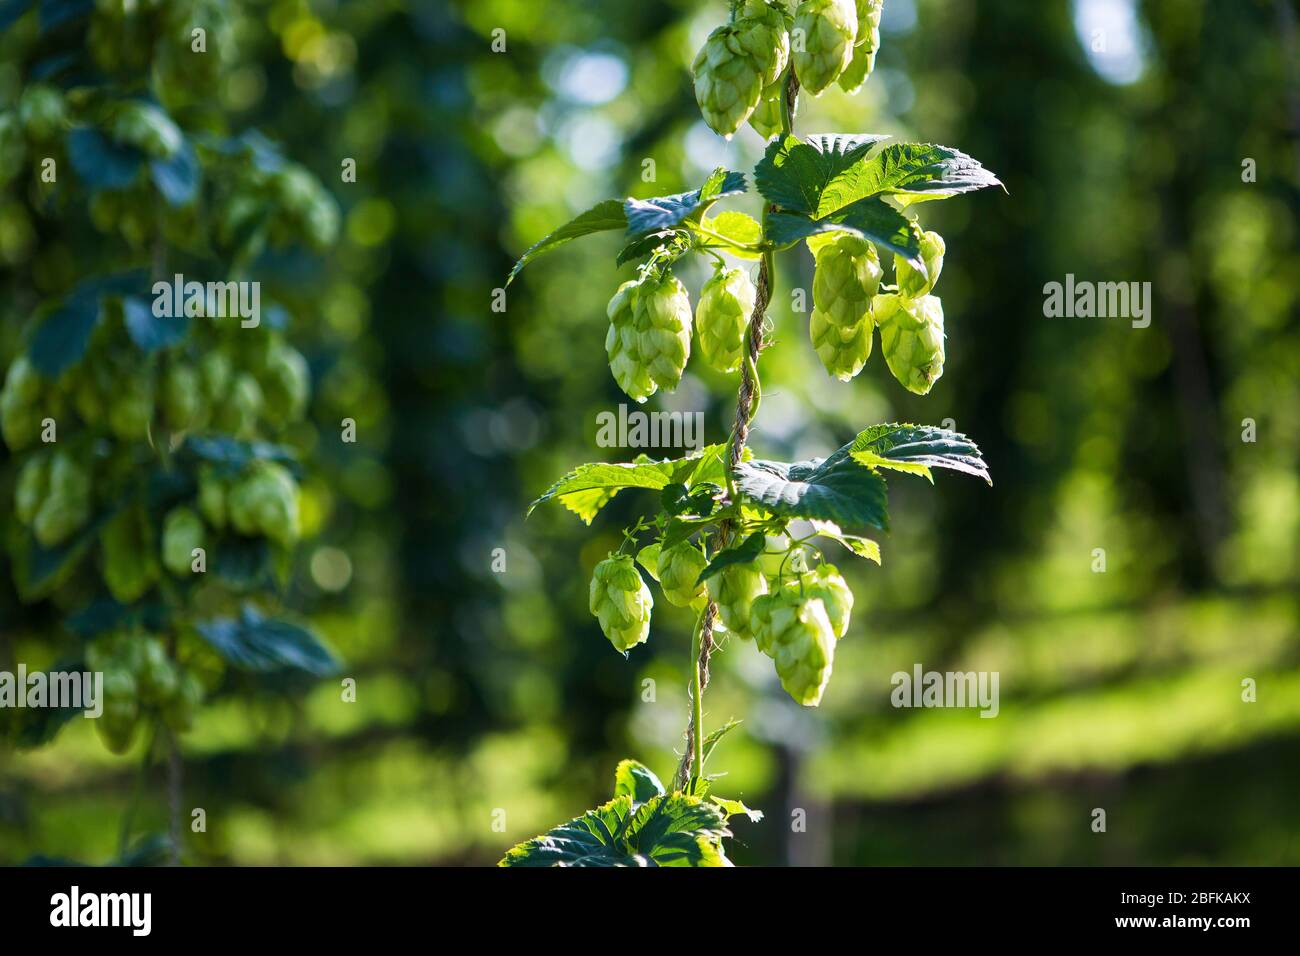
{"x":794,"y":630}
{"x":730,"y":535}
{"x":911,"y":337}
{"x":153,"y":435}
{"x":721,"y":317}
{"x":620,"y":600}
{"x":825,"y":31}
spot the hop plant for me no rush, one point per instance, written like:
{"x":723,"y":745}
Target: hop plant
{"x":911,"y":338}
{"x":183,"y":532}
{"x":649,"y":337}
{"x":866,"y":44}
{"x":678,"y":569}
{"x":265,"y":502}
{"x":766,"y":118}
{"x":20,"y":418}
{"x":827,"y":29}
{"x":621,"y":601}
{"x":127,"y":549}
{"x":763,"y":28}
{"x":734,"y":589}
{"x":728,"y":78}
{"x":829,"y":585}
{"x":844,"y":350}
{"x":721,"y":317}
{"x":912,"y":284}
{"x":846,"y":277}
{"x":795,"y":631}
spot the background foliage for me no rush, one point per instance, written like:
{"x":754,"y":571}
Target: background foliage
{"x":479,"y":691}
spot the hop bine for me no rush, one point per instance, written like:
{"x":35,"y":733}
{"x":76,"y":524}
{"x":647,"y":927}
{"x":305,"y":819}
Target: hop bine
{"x":620,"y":600}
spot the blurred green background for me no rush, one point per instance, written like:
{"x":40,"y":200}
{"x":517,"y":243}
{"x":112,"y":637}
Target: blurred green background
{"x":482,"y":691}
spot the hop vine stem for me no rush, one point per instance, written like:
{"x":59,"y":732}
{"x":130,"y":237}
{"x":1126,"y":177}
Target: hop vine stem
{"x":702,"y":644}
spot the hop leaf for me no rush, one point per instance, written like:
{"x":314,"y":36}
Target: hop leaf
{"x":722,"y":316}
{"x":828,"y":29}
{"x":911,"y":338}
{"x":620,"y":600}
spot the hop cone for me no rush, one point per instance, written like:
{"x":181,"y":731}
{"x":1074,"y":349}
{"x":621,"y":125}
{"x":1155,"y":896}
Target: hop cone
{"x":67,"y":501}
{"x":843,"y":350}
{"x":829,"y":585}
{"x":649,"y":337}
{"x":829,"y":28}
{"x":847,"y":276}
{"x":865,"y":46}
{"x":734,"y":588}
{"x":795,"y":631}
{"x":911,"y":337}
{"x":728,"y":78}
{"x":621,"y":602}
{"x":679,"y":569}
{"x":721,"y":317}
{"x":762,"y":32}
{"x":766,"y":118}
{"x":913,"y":284}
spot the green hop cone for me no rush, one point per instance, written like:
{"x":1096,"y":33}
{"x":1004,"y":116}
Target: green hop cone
{"x":766,"y":118}
{"x":31,"y":488}
{"x":131,"y":407}
{"x":214,"y":374}
{"x":824,"y":31}
{"x":829,"y":585}
{"x":621,"y":601}
{"x":865,"y":47}
{"x":265,"y":501}
{"x":42,"y":112}
{"x":237,"y":412}
{"x":843,"y":351}
{"x":66,"y":506}
{"x":795,"y":631}
{"x":127,"y":549}
{"x":761,"y":30}
{"x":20,"y":418}
{"x":13,"y":146}
{"x":678,"y":570}
{"x":734,"y":589}
{"x":156,"y":675}
{"x":286,"y":385}
{"x":649,"y":339}
{"x":913,"y":284}
{"x":116,"y":725}
{"x":846,"y":277}
{"x":728,"y":79}
{"x":212,"y":498}
{"x":182,"y":399}
{"x":182,"y":532}
{"x":721,"y":317}
{"x":911,"y":338}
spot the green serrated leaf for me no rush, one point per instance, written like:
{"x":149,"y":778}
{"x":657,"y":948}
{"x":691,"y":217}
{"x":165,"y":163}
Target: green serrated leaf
{"x":667,"y":830}
{"x":793,"y":173}
{"x":601,"y":217}
{"x":904,"y":447}
{"x":862,"y":547}
{"x":644,"y":245}
{"x":835,"y":489}
{"x":635,"y":779}
{"x":872,"y":219}
{"x":712,"y":739}
{"x":590,"y":487}
{"x":743,"y":553}
{"x":735,"y":807}
{"x":912,"y":171}
{"x":664,"y":212}
{"x":738,"y":231}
